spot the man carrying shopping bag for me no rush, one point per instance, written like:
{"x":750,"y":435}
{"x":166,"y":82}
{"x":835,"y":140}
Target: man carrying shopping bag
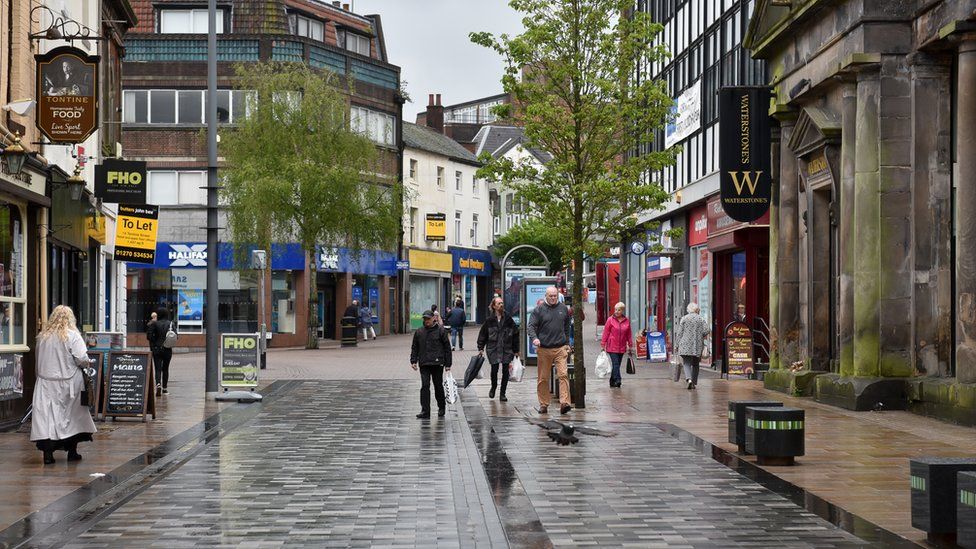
{"x":430,"y":352}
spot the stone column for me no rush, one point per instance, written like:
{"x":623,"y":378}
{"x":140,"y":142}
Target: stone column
{"x":965,"y":206}
{"x":867,"y":228}
{"x":787,"y":252}
{"x":774,"y":361}
{"x":848,"y":146}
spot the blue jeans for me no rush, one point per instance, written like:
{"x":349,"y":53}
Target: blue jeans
{"x":457,"y":336}
{"x":615,"y":359}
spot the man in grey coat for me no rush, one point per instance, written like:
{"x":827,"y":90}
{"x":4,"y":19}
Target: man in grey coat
{"x":548,"y":329}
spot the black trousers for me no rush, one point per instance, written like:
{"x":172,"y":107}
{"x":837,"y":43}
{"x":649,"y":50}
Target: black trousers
{"x":494,"y":376}
{"x":428,"y":374}
{"x":161,"y":358}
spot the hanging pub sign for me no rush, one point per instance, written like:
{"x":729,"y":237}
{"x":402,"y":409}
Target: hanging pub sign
{"x":67,"y":92}
{"x":745,"y":180}
{"x":121,"y":181}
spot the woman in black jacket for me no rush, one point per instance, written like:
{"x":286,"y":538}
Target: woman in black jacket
{"x":500,"y":337}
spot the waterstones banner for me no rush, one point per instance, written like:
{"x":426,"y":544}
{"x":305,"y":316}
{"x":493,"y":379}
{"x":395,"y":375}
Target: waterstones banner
{"x":746,"y":184}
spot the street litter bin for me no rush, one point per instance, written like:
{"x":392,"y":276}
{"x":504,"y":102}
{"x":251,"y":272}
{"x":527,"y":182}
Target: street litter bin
{"x":349,"y":331}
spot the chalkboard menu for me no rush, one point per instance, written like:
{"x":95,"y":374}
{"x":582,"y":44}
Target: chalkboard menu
{"x":738,"y":348}
{"x":129,"y":390}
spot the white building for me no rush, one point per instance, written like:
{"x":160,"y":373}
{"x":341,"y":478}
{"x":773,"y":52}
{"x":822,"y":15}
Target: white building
{"x":446,"y":226}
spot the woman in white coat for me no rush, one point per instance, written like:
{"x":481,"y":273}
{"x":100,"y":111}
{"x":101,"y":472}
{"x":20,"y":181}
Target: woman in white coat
{"x":60,"y":422}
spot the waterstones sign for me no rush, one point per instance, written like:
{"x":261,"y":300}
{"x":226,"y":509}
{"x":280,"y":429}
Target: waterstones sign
{"x":745,"y":180}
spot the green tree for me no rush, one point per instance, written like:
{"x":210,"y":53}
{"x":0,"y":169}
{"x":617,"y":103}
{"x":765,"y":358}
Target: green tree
{"x":295,"y":172}
{"x":532,"y":231}
{"x":577,"y":75}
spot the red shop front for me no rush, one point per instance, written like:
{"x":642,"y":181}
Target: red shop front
{"x":740,"y":263}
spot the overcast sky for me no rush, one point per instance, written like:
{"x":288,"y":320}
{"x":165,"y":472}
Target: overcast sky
{"x":428,"y":40}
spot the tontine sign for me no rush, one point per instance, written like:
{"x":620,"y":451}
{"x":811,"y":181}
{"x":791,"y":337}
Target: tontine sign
{"x":67,"y":92}
{"x":745,"y":180}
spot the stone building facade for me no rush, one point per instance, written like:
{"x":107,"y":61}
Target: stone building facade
{"x":872,"y":253}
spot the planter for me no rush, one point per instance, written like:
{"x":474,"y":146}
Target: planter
{"x":934,"y":494}
{"x":966,"y":510}
{"x":737,"y":419}
{"x":775,"y":435}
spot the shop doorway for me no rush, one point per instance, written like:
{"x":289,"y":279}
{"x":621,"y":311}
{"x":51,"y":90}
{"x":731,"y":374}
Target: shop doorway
{"x":326,"y":283}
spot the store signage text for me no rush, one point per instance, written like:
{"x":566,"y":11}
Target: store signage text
{"x":183,"y":255}
{"x":121,"y":181}
{"x":468,"y":263}
{"x":67,"y":92}
{"x":135,"y":234}
{"x":745,"y":182}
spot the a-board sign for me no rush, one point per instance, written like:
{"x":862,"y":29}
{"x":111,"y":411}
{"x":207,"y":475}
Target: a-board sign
{"x":129,"y":387}
{"x":657,"y":347}
{"x":641,"y":344}
{"x":739,"y":356}
{"x":240,"y":356}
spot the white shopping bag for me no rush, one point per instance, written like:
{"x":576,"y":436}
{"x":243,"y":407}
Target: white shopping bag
{"x":450,"y":388}
{"x":516,"y":370}
{"x":603,"y":365}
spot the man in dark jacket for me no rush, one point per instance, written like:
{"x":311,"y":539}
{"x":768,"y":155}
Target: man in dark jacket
{"x":431,"y":352}
{"x":456,"y":319}
{"x":549,"y":329}
{"x":162,"y":355}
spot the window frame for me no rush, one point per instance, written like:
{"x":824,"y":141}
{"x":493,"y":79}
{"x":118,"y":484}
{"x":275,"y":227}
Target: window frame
{"x":18,"y":303}
{"x":222,"y":19}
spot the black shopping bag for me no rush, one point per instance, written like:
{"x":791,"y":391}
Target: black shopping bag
{"x":474,"y":366}
{"x":631,"y":364}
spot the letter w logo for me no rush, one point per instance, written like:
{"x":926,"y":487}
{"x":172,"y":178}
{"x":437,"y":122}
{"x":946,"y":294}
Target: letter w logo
{"x":747,"y":180}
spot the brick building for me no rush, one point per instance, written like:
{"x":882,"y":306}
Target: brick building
{"x":163,"y":121}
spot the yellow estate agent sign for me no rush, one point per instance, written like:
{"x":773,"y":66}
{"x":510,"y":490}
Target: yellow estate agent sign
{"x":135,"y":233}
{"x":436,"y":226}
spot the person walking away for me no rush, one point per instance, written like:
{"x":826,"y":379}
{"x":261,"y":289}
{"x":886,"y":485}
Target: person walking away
{"x":690,"y":336}
{"x":456,"y":320}
{"x":617,"y":340}
{"x":162,"y":355}
{"x":60,"y":421}
{"x":548,"y":329}
{"x":366,"y":321}
{"x":430,"y":352}
{"x":499,"y":337}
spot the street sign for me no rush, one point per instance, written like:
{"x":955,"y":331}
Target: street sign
{"x":739,"y":357}
{"x":67,"y":92}
{"x":135,"y":233}
{"x":121,"y":181}
{"x":403,"y":265}
{"x":240,"y":356}
{"x":744,"y":161}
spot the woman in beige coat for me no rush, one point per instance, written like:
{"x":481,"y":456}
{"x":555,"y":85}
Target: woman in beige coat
{"x":60,"y":422}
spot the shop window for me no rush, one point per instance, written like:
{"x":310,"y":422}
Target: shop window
{"x":282,"y":302}
{"x":12,"y":272}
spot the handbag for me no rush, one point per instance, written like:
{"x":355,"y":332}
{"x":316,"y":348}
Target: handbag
{"x":88,"y":383}
{"x":631,"y":363}
{"x":675,"y":368}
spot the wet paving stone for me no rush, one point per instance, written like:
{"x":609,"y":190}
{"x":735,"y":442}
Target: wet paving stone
{"x":345,"y":464}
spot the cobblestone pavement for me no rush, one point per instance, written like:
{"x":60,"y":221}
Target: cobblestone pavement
{"x":343,"y":464}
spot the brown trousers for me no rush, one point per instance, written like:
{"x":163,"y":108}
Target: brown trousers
{"x":548,"y":357}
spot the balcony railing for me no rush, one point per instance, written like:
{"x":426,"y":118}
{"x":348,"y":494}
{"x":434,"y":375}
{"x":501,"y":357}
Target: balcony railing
{"x":251,"y":48}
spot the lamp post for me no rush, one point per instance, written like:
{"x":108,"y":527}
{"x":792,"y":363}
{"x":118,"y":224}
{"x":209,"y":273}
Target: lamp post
{"x":15,"y":156}
{"x":76,"y":184}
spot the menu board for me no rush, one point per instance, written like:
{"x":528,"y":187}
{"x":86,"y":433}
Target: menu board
{"x":738,"y":348}
{"x":129,"y":389}
{"x":239,"y":359}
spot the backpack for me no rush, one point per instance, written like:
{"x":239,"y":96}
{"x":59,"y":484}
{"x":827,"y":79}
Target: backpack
{"x":170,"y":341}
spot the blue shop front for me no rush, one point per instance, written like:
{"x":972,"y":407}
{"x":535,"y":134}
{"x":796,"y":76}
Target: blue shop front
{"x":177,"y":281}
{"x":471,"y":277}
{"x":366,"y":276}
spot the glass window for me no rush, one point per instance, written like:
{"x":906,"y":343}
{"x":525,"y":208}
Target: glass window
{"x":135,"y":106}
{"x":356,"y":43}
{"x":282,"y":302}
{"x":163,"y":189}
{"x":440,"y":176}
{"x":191,"y":107}
{"x":307,"y":27}
{"x":162,"y":106}
{"x":413,"y":169}
{"x":175,"y":21}
{"x":457,"y":181}
{"x":474,"y":229}
{"x":191,"y":191}
{"x":12,"y":272}
{"x":475,"y":188}
{"x":457,"y":228}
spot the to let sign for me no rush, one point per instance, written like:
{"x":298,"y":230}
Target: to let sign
{"x":135,"y":233}
{"x":744,"y":177}
{"x":739,"y":356}
{"x":436,"y":226}
{"x":67,"y":92}
{"x":121,"y":181}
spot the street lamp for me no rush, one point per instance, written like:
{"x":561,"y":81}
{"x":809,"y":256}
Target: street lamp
{"x":76,"y":184}
{"x":15,"y":156}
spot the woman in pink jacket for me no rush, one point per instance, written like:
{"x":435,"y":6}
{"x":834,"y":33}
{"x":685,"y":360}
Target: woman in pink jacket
{"x":617,"y":340}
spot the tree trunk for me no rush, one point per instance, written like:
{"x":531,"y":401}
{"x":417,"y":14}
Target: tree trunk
{"x":580,"y":368}
{"x":313,"y":304}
